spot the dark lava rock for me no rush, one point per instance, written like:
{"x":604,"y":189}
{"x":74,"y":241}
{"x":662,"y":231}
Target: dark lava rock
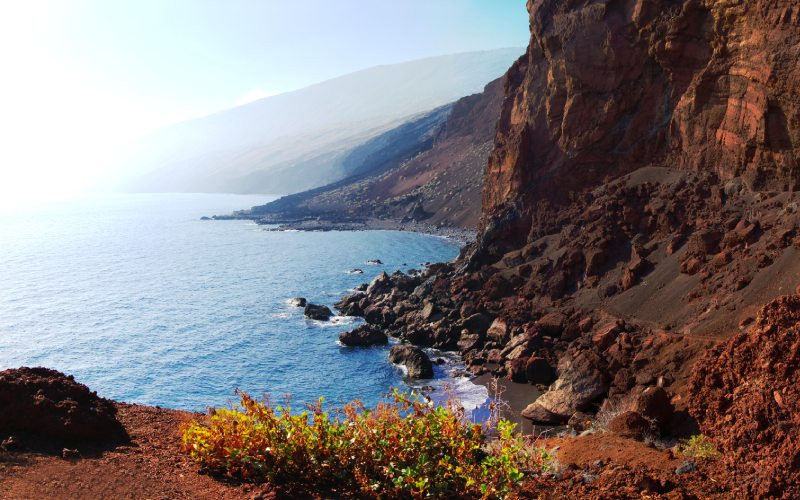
{"x":552,"y":324}
{"x":364,"y":336}
{"x":298,"y":302}
{"x":374,"y":262}
{"x":349,"y":305}
{"x":317,"y":312}
{"x":381,"y":284}
{"x":414,"y":359}
{"x":47,"y":404}
{"x":654,"y":403}
{"x":356,"y":271}
{"x":478,"y":323}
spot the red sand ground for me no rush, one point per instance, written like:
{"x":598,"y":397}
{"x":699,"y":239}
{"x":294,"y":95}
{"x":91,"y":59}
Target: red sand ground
{"x":152,"y":466}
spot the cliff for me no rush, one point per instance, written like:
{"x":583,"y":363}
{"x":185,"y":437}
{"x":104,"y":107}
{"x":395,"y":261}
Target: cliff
{"x":607,"y":87}
{"x":640,"y":206}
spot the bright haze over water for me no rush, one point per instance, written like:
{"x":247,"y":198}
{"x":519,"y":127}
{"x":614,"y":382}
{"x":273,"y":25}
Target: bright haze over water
{"x":84,"y":79}
{"x":142,"y":301}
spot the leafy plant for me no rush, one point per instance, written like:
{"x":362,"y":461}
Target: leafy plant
{"x":405,"y":447}
{"x":699,"y":447}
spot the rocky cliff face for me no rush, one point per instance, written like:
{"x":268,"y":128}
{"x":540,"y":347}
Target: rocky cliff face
{"x":607,"y":87}
{"x":640,"y":206}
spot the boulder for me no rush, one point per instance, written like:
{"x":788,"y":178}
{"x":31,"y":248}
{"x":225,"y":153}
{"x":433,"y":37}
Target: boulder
{"x":552,"y":324}
{"x":477,"y":323}
{"x":48,"y":404}
{"x":417,"y":363}
{"x":630,"y":424}
{"x":378,"y":315}
{"x":498,"y":331}
{"x":317,"y":312}
{"x":469,"y":340}
{"x":349,"y":304}
{"x":516,"y":370}
{"x":381,"y":284}
{"x":364,"y":336}
{"x":579,"y":384}
{"x":430,"y":313}
{"x":541,"y":415}
{"x":298,"y":302}
{"x":654,"y":403}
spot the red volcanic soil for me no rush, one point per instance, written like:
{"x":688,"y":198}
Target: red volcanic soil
{"x":745,"y":394}
{"x":608,"y":466}
{"x":150,"y":466}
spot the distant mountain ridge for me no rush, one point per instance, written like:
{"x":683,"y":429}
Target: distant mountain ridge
{"x":300,"y":140}
{"x":427,"y":170}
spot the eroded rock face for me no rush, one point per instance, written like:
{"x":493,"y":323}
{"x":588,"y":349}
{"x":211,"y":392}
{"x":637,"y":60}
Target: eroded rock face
{"x":745,"y":394}
{"x":610,"y":86}
{"x":48,"y":404}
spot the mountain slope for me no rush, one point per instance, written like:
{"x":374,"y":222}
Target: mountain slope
{"x":430,"y":170}
{"x":299,"y":140}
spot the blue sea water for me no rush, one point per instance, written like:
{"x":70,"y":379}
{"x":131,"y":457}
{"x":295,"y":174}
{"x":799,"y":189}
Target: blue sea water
{"x":142,"y":301}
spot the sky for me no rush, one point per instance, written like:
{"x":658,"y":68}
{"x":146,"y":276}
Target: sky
{"x":83,"y":79}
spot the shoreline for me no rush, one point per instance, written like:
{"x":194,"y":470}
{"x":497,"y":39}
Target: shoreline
{"x":460,"y":235}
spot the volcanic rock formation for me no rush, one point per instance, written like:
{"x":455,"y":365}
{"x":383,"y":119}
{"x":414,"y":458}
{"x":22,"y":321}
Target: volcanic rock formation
{"x":46,"y":404}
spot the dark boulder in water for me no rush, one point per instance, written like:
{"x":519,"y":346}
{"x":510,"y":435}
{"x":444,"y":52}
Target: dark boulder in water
{"x":375,"y":262}
{"x":417,"y":363}
{"x":46,"y":404}
{"x":318,"y":312}
{"x":364,"y":336}
{"x":298,"y":302}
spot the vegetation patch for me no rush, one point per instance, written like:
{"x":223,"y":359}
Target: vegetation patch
{"x":699,"y":447}
{"x":405,"y":447}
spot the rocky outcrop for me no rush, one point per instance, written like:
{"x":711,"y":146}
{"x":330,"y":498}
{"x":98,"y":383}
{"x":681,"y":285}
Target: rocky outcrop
{"x":611,"y":86}
{"x":46,"y":404}
{"x":317,"y":312}
{"x":364,"y":336}
{"x":579,"y":384}
{"x":298,"y":302}
{"x":417,"y":363}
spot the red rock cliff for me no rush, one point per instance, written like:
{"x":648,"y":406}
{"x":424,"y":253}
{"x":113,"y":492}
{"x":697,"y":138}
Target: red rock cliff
{"x":609,"y":86}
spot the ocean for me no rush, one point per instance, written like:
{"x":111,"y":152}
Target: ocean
{"x":143,"y":302}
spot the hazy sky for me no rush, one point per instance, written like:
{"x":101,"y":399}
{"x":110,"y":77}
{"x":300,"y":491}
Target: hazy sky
{"x":81,"y":78}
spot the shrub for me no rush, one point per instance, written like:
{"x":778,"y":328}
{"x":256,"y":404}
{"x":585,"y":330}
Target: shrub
{"x":403,"y":448}
{"x":699,"y":447}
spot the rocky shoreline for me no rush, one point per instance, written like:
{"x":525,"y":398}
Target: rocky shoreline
{"x":460,"y":235}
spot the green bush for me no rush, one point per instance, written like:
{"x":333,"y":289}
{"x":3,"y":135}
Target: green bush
{"x":403,"y":448}
{"x":699,"y":447}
